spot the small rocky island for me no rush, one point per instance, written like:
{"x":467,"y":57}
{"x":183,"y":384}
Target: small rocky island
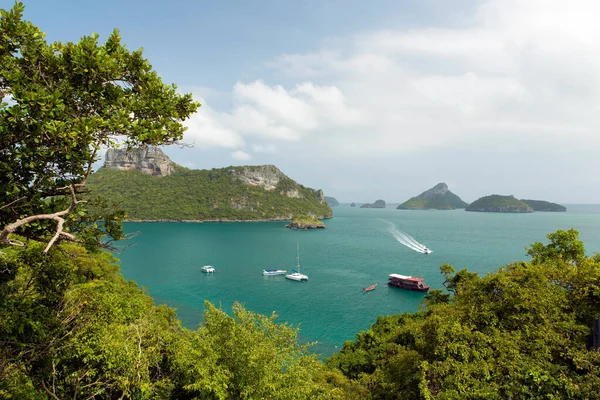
{"x":331,"y":201}
{"x":353,"y":205}
{"x":541,"y":205}
{"x":378,"y":204}
{"x":305,"y":222}
{"x":436,"y":198}
{"x":500,"y":204}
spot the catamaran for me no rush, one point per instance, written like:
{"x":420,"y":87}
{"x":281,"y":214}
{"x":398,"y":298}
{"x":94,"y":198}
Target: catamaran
{"x":208,"y":269}
{"x":296,"y":274}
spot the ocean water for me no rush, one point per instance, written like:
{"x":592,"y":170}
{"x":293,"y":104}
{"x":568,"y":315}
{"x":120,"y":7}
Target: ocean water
{"x":356,"y":250}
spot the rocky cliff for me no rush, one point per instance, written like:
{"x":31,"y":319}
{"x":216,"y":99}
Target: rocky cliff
{"x":149,"y":160}
{"x":497,"y":203}
{"x":438,"y":197}
{"x":378,"y":204}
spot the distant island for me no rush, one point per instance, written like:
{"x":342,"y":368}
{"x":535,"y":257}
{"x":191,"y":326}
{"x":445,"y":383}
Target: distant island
{"x":332,"y":201}
{"x":541,"y":205}
{"x":148,"y":186}
{"x":378,"y":204}
{"x":353,"y":205}
{"x":437,"y":198}
{"x":501,"y":204}
{"x":305,"y":222}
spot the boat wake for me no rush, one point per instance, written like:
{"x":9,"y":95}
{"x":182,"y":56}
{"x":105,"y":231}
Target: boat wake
{"x":407,"y":240}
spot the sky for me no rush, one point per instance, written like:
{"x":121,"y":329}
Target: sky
{"x":379,"y":99}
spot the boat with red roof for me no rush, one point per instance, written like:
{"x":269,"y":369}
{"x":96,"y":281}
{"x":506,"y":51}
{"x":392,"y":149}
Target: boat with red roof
{"x":372,"y":287}
{"x":408,"y":282}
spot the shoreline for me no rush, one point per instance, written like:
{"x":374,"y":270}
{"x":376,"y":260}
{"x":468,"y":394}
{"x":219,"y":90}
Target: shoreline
{"x":198,"y":221}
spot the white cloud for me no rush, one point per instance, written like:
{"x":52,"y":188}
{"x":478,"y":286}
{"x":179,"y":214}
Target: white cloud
{"x":268,"y":148}
{"x":240,"y":155}
{"x":206,"y":130}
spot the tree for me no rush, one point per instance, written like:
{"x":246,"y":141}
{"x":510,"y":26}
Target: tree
{"x":61,"y":103}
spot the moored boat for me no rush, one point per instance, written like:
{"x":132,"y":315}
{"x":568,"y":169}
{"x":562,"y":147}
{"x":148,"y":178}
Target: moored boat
{"x":268,"y":272}
{"x":297,"y":275}
{"x":368,"y":289}
{"x":207,"y":269}
{"x":408,"y":282}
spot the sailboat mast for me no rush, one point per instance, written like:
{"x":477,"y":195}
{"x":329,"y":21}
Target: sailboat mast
{"x":298,"y":255}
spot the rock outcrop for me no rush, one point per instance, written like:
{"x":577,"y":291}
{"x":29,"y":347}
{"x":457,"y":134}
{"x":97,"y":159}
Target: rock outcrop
{"x":378,"y":204}
{"x":353,"y":205}
{"x":438,"y":197}
{"x":542,"y":205}
{"x":304,"y":222}
{"x":149,"y":160}
{"x":501,"y":204}
{"x":332,"y":201}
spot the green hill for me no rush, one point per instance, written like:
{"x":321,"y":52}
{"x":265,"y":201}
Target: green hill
{"x":541,"y":205}
{"x":378,"y":204}
{"x":228,"y":194}
{"x":497,"y":203}
{"x":332,"y":201}
{"x":437,"y":198}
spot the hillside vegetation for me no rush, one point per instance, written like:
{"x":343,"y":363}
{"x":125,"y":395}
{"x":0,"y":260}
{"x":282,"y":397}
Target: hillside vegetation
{"x":437,"y":198}
{"x":216,"y":194}
{"x":498,"y":203}
{"x":541,"y":205}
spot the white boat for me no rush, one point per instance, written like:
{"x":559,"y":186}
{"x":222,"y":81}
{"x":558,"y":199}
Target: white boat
{"x":208,"y":269}
{"x":296,"y":274}
{"x":426,"y":250}
{"x":268,"y":272}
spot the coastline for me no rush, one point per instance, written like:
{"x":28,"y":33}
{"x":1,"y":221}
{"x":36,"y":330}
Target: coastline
{"x":212,"y":220}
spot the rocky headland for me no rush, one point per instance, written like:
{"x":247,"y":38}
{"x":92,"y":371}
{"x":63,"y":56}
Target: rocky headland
{"x":148,"y":186}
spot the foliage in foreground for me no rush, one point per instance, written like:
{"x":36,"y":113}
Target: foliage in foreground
{"x":72,"y":327}
{"x":521,"y":332}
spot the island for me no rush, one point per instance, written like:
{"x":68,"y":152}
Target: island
{"x":500,"y":204}
{"x":438,"y":197}
{"x":331,"y":201}
{"x":305,"y":222}
{"x":541,"y":205}
{"x":148,"y":186}
{"x":353,"y":205}
{"x":378,"y":204}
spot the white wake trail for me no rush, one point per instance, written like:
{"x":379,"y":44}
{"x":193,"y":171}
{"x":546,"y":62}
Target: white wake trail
{"x":406,"y":239}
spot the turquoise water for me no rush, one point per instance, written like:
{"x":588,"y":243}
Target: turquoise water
{"x":356,"y":250}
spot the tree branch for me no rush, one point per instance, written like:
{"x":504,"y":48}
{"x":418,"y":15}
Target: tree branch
{"x":57,"y":216}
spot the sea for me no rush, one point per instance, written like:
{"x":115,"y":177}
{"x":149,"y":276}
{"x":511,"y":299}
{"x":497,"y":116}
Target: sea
{"x":359,"y":247}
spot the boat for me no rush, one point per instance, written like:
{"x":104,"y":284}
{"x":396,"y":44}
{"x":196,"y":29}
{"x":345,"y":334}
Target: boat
{"x":296,"y":274}
{"x":207,"y":269}
{"x":408,"y":282}
{"x":268,"y":272}
{"x":426,"y":250}
{"x":372,"y":287}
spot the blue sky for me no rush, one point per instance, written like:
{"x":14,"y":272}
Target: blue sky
{"x":379,"y":99}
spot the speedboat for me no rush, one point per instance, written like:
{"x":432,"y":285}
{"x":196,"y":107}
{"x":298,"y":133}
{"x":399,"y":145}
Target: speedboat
{"x":426,"y":250}
{"x":207,"y":268}
{"x":268,"y":272}
{"x":296,"y":276}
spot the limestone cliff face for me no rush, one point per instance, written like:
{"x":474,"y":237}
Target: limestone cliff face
{"x":149,"y":160}
{"x":265,"y":176}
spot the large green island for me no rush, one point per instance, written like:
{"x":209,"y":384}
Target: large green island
{"x":541,"y":205}
{"x":498,"y":203}
{"x":150,"y":187}
{"x":438,"y":197}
